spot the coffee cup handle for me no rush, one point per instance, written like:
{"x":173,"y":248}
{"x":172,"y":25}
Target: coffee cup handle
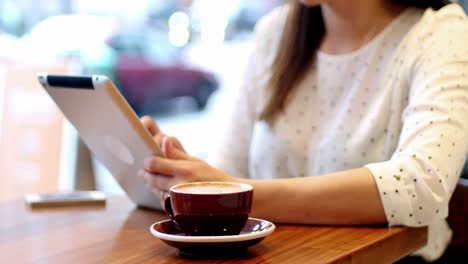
{"x":168,"y":207}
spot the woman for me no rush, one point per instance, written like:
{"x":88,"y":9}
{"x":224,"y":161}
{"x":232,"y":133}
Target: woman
{"x":352,"y":112}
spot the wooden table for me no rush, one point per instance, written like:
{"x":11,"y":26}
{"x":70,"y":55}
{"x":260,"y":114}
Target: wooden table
{"x":119,"y":233}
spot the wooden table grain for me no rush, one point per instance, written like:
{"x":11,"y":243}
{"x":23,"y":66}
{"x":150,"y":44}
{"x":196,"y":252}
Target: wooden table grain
{"x":119,"y":233}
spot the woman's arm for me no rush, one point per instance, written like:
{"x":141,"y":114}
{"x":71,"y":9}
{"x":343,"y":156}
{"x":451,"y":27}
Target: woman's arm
{"x":343,"y":198}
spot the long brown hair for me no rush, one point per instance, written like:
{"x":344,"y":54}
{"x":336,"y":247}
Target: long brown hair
{"x":303,"y":32}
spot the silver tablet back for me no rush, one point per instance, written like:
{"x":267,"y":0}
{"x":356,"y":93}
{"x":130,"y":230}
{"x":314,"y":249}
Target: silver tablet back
{"x":108,"y":126}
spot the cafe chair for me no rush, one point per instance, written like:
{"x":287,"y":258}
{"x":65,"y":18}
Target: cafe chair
{"x":457,"y":251}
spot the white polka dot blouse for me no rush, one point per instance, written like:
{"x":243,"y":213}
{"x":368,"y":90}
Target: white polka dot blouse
{"x":398,"y":106}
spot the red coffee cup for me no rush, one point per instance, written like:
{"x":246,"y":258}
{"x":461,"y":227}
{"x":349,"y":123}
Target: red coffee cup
{"x":210,"y":208}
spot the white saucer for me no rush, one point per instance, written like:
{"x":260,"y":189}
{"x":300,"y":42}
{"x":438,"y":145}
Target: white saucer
{"x":254,"y":231}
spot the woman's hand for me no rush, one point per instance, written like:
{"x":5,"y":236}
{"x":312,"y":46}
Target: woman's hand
{"x":161,"y":173}
{"x":157,"y":134}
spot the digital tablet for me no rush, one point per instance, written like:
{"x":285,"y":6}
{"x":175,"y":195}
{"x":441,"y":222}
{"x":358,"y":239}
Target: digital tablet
{"x":108,"y":126}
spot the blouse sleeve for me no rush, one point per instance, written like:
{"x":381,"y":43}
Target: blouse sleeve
{"x":416,"y":184}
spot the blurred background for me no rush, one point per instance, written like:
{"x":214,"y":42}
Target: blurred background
{"x":176,"y":60}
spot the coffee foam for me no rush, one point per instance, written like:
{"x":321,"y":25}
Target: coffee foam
{"x":211,"y":188}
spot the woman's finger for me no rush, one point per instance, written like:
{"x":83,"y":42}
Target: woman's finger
{"x":150,"y":124}
{"x":158,"y":165}
{"x":153,"y":128}
{"x":172,"y":151}
{"x":159,"y":139}
{"x":176,"y":143}
{"x":156,"y":182}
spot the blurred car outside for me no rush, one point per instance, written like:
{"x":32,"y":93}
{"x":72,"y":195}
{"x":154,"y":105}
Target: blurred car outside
{"x":152,"y":89}
{"x":153,"y":78}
